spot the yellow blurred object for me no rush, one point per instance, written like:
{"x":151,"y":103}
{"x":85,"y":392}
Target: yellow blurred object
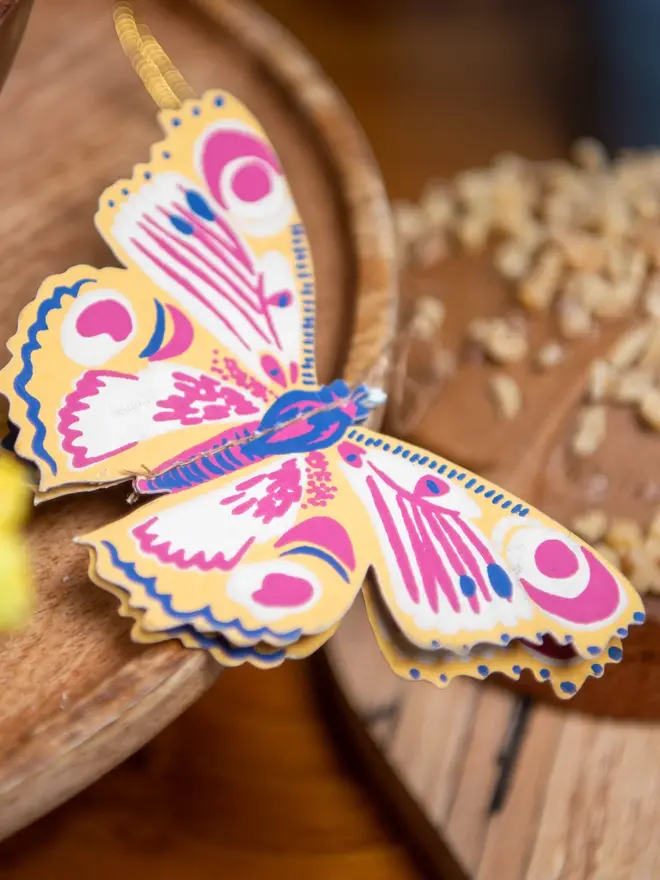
{"x":15,"y":576}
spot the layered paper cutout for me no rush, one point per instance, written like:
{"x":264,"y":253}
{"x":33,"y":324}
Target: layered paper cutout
{"x":191,"y":372}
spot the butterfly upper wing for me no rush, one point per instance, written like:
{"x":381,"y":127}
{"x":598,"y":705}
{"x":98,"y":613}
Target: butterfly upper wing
{"x":460,"y":562}
{"x":267,"y":555}
{"x":115,"y":370}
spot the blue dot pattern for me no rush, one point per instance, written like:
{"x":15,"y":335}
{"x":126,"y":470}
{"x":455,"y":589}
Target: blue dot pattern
{"x":416,"y":674}
{"x":615,"y":653}
{"x":482,"y":670}
{"x":567,"y":687}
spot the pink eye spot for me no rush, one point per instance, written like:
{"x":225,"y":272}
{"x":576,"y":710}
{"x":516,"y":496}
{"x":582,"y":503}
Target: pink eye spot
{"x":105,"y":317}
{"x":280,"y":300}
{"x":431,"y":486}
{"x":351,"y":453}
{"x":555,"y":560}
{"x":273,"y":370}
{"x":251,"y":182}
{"x":283,"y":591}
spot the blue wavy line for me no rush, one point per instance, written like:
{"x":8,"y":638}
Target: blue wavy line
{"x":209,"y":643}
{"x":165,"y":600}
{"x":158,"y":335}
{"x":26,"y":373}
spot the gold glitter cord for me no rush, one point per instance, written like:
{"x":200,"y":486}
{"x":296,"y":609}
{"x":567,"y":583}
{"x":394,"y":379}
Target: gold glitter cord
{"x":160,"y":77}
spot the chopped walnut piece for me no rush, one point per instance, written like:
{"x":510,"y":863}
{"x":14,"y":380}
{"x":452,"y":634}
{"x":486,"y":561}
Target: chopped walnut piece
{"x":651,"y":358}
{"x":437,"y":205}
{"x":654,"y":528}
{"x":590,"y":526}
{"x":652,"y":296}
{"x":427,"y":318}
{"x":601,"y":378}
{"x":574,"y":320}
{"x":588,"y":290}
{"x":501,"y":341}
{"x":550,"y":355}
{"x":589,"y":154}
{"x":631,"y":386}
{"x":643,"y":572}
{"x":649,"y":408}
{"x":630,"y":346}
{"x":472,"y":231}
{"x":474,"y":186}
{"x":506,"y":394}
{"x":512,"y":260}
{"x":652,"y":547}
{"x":430,"y":249}
{"x":624,"y":535}
{"x":582,"y":251}
{"x":609,"y":554}
{"x":537,"y":291}
{"x":408,"y":220}
{"x":590,"y":430}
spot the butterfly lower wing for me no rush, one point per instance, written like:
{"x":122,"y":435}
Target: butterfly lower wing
{"x":460,"y":562}
{"x":120,"y":371}
{"x":265,"y":556}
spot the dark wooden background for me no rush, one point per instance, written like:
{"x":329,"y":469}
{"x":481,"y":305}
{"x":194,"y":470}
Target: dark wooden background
{"x":248,"y":782}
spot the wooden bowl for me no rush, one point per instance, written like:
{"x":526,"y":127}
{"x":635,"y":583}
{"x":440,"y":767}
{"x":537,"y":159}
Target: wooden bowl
{"x":14,"y":16}
{"x":77,"y":695}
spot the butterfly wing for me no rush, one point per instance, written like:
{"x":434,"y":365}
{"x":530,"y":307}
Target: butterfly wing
{"x":262,"y":558}
{"x":562,"y":666}
{"x":461,"y":563}
{"x":116,"y":370}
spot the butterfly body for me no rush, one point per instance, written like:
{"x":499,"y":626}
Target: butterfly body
{"x":191,"y":370}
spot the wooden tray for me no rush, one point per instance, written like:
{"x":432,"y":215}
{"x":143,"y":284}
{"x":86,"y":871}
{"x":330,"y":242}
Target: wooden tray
{"x":511,"y":788}
{"x":77,"y":695}
{"x":14,"y":15}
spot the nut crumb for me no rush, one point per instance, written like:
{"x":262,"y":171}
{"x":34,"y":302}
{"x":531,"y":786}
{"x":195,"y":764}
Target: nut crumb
{"x":601,"y":377}
{"x":427,"y":318}
{"x":649,"y":408}
{"x":537,"y":291}
{"x":589,"y":154}
{"x":512,"y":259}
{"x":630,"y":346}
{"x":624,"y":535}
{"x":503,"y":342}
{"x":506,"y":394}
{"x":590,"y":526}
{"x":631,"y":386}
{"x":590,"y":430}
{"x":609,"y":554}
{"x":550,"y":355}
{"x":574,"y":320}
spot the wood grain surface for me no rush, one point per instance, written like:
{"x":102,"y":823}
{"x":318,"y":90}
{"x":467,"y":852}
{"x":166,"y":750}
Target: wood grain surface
{"x":77,"y":695}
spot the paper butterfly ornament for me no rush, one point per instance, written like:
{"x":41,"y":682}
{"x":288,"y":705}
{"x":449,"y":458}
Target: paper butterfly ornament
{"x":193,"y":368}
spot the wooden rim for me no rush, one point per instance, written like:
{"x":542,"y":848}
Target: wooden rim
{"x":170,"y":678}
